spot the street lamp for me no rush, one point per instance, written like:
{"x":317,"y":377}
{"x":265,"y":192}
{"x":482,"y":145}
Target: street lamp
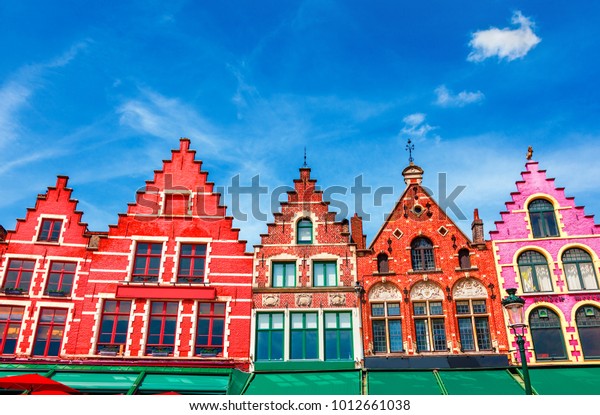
{"x":513,"y":305}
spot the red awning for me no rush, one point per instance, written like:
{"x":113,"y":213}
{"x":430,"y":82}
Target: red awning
{"x":35,"y":384}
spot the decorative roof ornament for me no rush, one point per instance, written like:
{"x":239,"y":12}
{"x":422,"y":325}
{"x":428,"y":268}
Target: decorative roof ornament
{"x":529,"y":153}
{"x":410,"y":147}
{"x":305,"y":165}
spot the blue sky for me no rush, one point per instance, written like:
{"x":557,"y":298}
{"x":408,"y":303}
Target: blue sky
{"x":102,"y":91}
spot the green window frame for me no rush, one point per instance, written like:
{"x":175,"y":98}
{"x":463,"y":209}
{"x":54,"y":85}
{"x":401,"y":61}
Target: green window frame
{"x":304,"y":336}
{"x":588,"y":327}
{"x":304,"y":231}
{"x":269,"y":336}
{"x":542,"y":219}
{"x":534,"y":272}
{"x":579,"y":270}
{"x":283,"y":274}
{"x":338,"y":336}
{"x":325,"y":274}
{"x":547,"y":335}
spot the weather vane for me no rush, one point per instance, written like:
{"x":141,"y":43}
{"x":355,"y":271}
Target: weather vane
{"x":410,"y":147}
{"x":305,"y":165}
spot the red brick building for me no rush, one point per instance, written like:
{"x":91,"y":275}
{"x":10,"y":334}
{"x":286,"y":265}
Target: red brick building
{"x":44,"y":269}
{"x":170,"y":281}
{"x":305,"y":305}
{"x":429,"y":291}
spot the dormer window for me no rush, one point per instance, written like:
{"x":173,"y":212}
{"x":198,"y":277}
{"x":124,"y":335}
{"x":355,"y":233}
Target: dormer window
{"x":304,"y":231}
{"x":543,"y":219}
{"x":50,"y":230}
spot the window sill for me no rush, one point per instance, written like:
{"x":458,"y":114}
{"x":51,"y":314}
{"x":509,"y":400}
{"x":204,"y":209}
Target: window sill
{"x":425,"y":271}
{"x":466,"y":269}
{"x":384,"y":274}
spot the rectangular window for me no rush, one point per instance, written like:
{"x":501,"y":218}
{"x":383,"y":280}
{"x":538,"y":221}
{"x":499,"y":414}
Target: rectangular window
{"x":338,"y":336}
{"x":387,"y":327}
{"x":284,"y":274}
{"x":114,"y":326}
{"x":10,"y":327}
{"x":269,"y":336}
{"x":19,"y":275}
{"x":474,"y":331}
{"x":325,"y":274}
{"x":191,"y":263}
{"x":430,"y":332}
{"x":147,"y":262}
{"x":60,"y":278}
{"x":162,"y":327}
{"x":210,"y":331}
{"x":50,"y":330}
{"x":304,"y":336}
{"x":50,"y":230}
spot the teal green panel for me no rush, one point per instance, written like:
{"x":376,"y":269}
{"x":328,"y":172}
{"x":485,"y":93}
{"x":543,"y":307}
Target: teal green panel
{"x":480,"y":382}
{"x":85,"y":381}
{"x":309,"y":383}
{"x":209,"y":384}
{"x":5,"y":373}
{"x":402,"y":383}
{"x":566,"y":380}
{"x":237,"y":381}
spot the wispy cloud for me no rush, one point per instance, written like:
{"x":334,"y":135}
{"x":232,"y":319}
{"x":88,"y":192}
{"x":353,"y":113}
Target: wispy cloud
{"x":506,"y":43}
{"x":416,"y":128}
{"x":17,"y":90}
{"x":163,"y":117}
{"x":445,"y":97}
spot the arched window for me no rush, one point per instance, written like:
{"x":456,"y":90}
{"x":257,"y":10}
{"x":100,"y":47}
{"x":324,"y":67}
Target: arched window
{"x":535,"y":274}
{"x":464,"y":259}
{"x":422,"y":254}
{"x":543,"y":220}
{"x":382,"y":263}
{"x":304,"y":231}
{"x":472,"y":315}
{"x":588,"y":326}
{"x":546,"y":333}
{"x":579,"y":270}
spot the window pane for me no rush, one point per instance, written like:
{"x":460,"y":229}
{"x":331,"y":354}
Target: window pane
{"x":379,"y":336}
{"x":589,"y":276}
{"x":395,"y":336}
{"x":263,"y":321}
{"x":277,"y":321}
{"x":482,"y":330}
{"x":419,"y":309}
{"x":466,"y":334}
{"x":462,"y":307}
{"x":219,"y":309}
{"x":439,"y":334}
{"x":479,"y":306}
{"x":435,"y":308}
{"x":422,"y":333}
{"x":393,"y":309}
{"x":345,"y":320}
{"x":297,"y":322}
{"x":330,"y":321}
{"x":377,"y":310}
{"x":277,"y":345}
{"x":319,"y":275}
{"x":311,"y":321}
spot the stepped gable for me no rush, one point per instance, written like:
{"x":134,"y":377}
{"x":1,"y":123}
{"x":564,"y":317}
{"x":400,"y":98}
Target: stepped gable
{"x":534,"y":182}
{"x":55,"y":203}
{"x":305,"y":201}
{"x":179,"y":194}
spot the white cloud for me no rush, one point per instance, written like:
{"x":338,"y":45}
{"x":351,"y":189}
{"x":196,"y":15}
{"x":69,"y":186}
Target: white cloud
{"x":506,"y":43}
{"x":166,"y":118}
{"x":445,"y":97}
{"x":415,"y":127}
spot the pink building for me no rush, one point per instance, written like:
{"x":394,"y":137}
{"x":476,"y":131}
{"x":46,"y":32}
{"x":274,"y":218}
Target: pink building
{"x":547,"y":248}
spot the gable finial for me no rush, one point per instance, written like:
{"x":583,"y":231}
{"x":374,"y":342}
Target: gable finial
{"x":305,"y":165}
{"x":529,"y":153}
{"x":410,"y":147}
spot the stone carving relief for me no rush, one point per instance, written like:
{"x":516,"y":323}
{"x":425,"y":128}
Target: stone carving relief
{"x":385,"y":291}
{"x":303,"y":300}
{"x":426,"y":290}
{"x":337,"y":299}
{"x":270,"y":300}
{"x":469,"y":288}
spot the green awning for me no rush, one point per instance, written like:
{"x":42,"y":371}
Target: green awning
{"x":306,"y":383}
{"x":402,"y":383}
{"x":197,"y":384}
{"x":480,"y":382}
{"x":566,"y":380}
{"x":97,"y":382}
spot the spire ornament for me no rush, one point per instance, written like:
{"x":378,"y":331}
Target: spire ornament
{"x":304,"y":165}
{"x":410,"y":147}
{"x":529,"y":153}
